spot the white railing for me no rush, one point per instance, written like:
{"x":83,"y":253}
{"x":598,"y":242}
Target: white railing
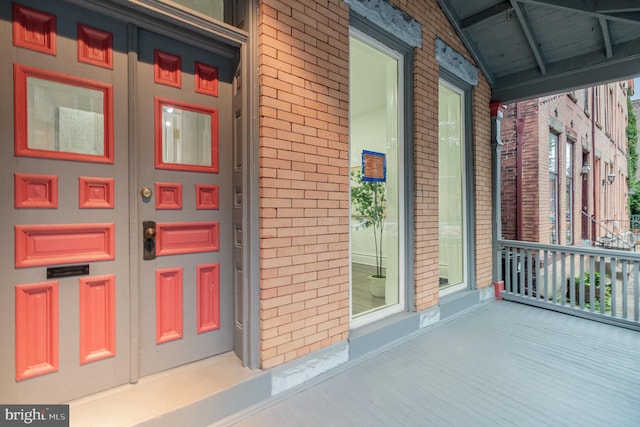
{"x":560,"y":277}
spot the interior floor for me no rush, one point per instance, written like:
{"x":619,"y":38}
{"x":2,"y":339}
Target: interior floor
{"x":362,"y":300}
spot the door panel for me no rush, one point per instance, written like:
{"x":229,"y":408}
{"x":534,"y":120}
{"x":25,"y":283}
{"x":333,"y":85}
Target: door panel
{"x":66,"y":182}
{"x":64,"y":296}
{"x":183,"y":126}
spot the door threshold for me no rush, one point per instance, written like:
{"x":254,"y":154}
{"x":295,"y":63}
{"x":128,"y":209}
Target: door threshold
{"x":199,"y":393}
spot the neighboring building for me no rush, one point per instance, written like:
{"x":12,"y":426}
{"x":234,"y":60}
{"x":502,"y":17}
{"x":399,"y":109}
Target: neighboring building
{"x":635,"y":103}
{"x":179,"y":187}
{"x":564,"y":166}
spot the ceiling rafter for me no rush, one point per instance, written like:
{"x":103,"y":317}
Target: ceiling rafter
{"x":606,"y":36}
{"x":483,"y":15}
{"x":534,"y":44}
{"x":626,"y":14}
{"x":617,"y":6}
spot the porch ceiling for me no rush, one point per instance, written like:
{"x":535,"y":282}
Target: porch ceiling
{"x":530,"y":48}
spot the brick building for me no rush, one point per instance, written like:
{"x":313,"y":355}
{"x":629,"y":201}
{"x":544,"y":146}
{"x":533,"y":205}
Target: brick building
{"x":564,"y":166}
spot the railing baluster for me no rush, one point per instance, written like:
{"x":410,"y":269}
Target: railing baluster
{"x":507,"y":269}
{"x":572,"y":289}
{"x":625,"y":313}
{"x":603,"y":283}
{"x":592,"y":280}
{"x":563,"y":270}
{"x":614,"y":288}
{"x":580,"y":296}
{"x":528,"y":268}
{"x":545,"y":254}
{"x":636,"y":291}
{"x":554,"y":272}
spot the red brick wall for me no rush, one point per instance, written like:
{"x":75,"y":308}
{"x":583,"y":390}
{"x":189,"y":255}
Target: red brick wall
{"x":576,"y":127}
{"x":304,"y":188}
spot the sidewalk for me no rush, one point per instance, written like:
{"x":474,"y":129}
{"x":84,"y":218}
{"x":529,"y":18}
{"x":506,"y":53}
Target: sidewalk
{"x":502,"y":364}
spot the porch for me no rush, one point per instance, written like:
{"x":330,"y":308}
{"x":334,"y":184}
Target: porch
{"x":502,"y":363}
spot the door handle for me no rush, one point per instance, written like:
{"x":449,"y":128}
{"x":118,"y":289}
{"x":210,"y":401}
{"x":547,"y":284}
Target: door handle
{"x":148,"y":240}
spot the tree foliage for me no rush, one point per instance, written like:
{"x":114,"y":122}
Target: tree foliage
{"x":632,"y":161}
{"x":369,"y":202}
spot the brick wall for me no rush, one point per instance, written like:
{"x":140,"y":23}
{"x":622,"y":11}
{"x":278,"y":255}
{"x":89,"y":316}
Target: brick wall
{"x":304,"y":193}
{"x":304,"y":187}
{"x":435,"y":25}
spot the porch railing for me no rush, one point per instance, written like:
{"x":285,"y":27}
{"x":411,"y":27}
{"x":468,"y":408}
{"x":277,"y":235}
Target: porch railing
{"x":600,"y":284}
{"x":610,"y":234}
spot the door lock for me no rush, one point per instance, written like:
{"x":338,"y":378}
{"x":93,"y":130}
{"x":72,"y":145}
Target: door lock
{"x":148,"y":240}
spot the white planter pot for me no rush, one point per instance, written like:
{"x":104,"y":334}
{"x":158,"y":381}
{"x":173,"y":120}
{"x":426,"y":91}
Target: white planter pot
{"x":377,"y":286}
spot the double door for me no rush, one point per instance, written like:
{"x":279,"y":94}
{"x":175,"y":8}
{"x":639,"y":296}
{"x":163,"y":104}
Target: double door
{"x":115,"y":148}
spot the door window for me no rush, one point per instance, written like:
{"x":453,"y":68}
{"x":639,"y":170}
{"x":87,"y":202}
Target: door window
{"x":188,"y":136}
{"x":62,"y":116}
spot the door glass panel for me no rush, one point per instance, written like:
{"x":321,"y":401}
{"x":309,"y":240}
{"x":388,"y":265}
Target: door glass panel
{"x":64,"y":118}
{"x":451,"y":190}
{"x":376,"y":179}
{"x":186,"y":137}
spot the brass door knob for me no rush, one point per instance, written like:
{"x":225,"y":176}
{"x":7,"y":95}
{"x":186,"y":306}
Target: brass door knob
{"x":146,"y":192}
{"x":150,"y":233}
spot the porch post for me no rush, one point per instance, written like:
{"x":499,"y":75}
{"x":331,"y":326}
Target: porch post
{"x":497,"y":110}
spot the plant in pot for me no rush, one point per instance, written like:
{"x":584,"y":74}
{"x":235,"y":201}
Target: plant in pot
{"x":368,"y":202}
{"x":587,"y":291}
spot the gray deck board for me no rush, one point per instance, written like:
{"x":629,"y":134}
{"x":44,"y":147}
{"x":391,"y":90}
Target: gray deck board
{"x":502,"y":364}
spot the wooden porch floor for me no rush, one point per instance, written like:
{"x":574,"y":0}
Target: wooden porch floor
{"x":501,"y":364}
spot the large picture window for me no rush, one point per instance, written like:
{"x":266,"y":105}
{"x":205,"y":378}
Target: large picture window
{"x":452,"y":197}
{"x":377,"y":177}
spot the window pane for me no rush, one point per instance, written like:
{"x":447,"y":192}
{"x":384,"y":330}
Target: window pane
{"x":211,"y":8}
{"x":553,"y":153}
{"x":375,"y":205}
{"x":186,"y":137}
{"x":450,"y":188}
{"x":64,"y":118}
{"x":553,"y":204}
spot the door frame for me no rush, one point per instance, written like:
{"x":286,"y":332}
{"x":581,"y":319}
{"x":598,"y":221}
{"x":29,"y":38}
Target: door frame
{"x":226,"y":40}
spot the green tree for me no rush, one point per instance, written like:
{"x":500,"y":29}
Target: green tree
{"x":368,"y":200}
{"x":632,"y":160}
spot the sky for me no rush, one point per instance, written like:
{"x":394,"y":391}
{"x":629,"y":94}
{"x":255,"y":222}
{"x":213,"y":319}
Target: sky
{"x":636,"y":87}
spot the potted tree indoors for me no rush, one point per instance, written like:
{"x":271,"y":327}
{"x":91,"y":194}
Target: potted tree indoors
{"x":368,"y":203}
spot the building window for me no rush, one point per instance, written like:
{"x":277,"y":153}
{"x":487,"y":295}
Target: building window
{"x":569,"y":194}
{"x":553,"y":188}
{"x":452,"y":188}
{"x":377,"y":178}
